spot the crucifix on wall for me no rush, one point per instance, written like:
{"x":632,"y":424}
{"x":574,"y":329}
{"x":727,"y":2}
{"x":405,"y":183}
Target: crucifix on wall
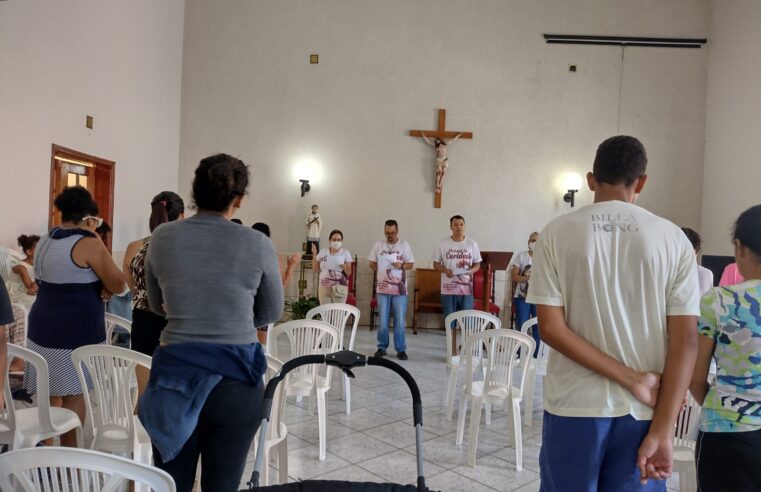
{"x":440,"y":139}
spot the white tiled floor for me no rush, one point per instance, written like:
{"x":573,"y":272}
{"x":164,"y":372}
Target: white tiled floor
{"x":376,"y":441}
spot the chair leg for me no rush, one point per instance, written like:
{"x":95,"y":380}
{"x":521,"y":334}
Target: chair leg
{"x":461,"y":419}
{"x":322,"y":420}
{"x":311,"y":403}
{"x":475,"y":423}
{"x":282,"y":460}
{"x":528,"y":403}
{"x":688,"y":481}
{"x":518,"y":434}
{"x":266,"y":471}
{"x":451,"y":385}
{"x":488,"y":413}
{"x":80,"y":439}
{"x":347,"y":393}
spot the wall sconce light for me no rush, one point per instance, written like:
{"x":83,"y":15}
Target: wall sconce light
{"x":572,"y":183}
{"x":570,"y":197}
{"x":305,"y":187}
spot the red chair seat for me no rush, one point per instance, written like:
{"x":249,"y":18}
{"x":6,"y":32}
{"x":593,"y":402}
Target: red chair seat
{"x":493,"y":308}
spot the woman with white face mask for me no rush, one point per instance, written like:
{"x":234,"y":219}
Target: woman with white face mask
{"x":334,"y":265}
{"x":520,"y":270}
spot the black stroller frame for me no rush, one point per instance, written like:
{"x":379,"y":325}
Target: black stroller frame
{"x":345,"y":360}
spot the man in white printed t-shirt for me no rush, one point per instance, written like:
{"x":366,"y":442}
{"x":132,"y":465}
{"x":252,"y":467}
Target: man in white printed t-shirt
{"x":390,"y":260}
{"x":616,"y":291}
{"x":705,"y":276}
{"x":457,"y":258}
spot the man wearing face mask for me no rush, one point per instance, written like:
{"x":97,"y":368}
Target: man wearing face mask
{"x":520,"y":271}
{"x":334,"y":266}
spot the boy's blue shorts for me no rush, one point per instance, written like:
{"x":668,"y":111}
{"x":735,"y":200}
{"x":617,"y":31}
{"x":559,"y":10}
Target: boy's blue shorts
{"x":591,"y":454}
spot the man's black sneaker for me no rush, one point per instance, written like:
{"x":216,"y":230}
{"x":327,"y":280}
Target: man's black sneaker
{"x":402,"y":356}
{"x":380,"y":353}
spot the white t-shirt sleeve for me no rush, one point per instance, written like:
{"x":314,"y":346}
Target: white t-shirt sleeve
{"x":438,"y":256}
{"x":374,"y":253}
{"x":322,"y":254}
{"x":348,"y":258}
{"x":476,"y":253}
{"x":683,"y":298}
{"x":544,"y":287}
{"x":408,"y":258}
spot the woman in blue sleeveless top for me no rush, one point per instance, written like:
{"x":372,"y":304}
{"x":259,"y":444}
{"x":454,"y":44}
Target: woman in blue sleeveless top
{"x":74,"y":272}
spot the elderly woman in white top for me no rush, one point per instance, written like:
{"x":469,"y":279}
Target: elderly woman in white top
{"x":334,"y":266}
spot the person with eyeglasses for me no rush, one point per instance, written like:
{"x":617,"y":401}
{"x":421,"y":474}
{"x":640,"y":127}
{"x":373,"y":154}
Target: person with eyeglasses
{"x":74,"y":272}
{"x":391,"y":259}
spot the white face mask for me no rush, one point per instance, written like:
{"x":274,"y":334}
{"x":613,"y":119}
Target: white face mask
{"x":531,"y":246}
{"x":335,"y":244}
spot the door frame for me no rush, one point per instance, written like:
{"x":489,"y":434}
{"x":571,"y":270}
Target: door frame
{"x":98,"y":162}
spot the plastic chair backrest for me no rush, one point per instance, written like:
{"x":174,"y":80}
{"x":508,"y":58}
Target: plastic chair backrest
{"x":687,"y":421}
{"x":71,"y":469}
{"x":336,"y":315}
{"x":112,"y":371}
{"x":306,"y":337}
{"x":40,"y":366}
{"x":502,"y":347}
{"x":469,"y":323}
{"x":528,"y":328}
{"x":277,"y":411}
{"x":112,"y":322}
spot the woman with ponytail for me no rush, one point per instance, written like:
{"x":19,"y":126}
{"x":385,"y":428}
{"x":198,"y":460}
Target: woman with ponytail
{"x":167,"y":206}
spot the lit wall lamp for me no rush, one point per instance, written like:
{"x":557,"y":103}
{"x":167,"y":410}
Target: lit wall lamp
{"x":572,"y":184}
{"x":305,"y":187}
{"x":568,"y":197}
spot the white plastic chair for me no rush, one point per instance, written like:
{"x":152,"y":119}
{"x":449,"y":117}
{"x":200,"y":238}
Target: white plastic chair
{"x":536,"y":367}
{"x":112,"y":322}
{"x":277,"y":431}
{"x":80,"y":470}
{"x":337,"y":314}
{"x":115,"y":427}
{"x":497,"y":386}
{"x":684,"y":445}
{"x":26,"y":427}
{"x":308,"y":337}
{"x":469,"y":322}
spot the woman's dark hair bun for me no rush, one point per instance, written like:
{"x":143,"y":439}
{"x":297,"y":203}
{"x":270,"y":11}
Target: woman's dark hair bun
{"x":218,"y":181}
{"x":27,"y":242}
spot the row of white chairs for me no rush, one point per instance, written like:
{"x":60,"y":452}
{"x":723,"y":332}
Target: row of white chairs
{"x":498,"y":373}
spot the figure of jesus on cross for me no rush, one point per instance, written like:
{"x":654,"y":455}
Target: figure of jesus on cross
{"x":441,"y":158}
{"x":441,"y":138}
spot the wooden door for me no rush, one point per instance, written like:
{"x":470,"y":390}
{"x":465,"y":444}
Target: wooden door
{"x":73,"y":168}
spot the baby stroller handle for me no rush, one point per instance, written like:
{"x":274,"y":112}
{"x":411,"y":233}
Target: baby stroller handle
{"x":344,"y":360}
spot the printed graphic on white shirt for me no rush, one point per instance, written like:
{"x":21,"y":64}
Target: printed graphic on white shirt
{"x":331,"y":267}
{"x":457,"y":257}
{"x":391,"y":280}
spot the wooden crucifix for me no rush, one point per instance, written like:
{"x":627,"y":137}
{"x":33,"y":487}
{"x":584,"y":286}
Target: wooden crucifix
{"x":441,"y":137}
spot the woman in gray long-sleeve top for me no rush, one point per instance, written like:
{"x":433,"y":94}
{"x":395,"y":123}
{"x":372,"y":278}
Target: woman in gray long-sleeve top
{"x":215,"y":282}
